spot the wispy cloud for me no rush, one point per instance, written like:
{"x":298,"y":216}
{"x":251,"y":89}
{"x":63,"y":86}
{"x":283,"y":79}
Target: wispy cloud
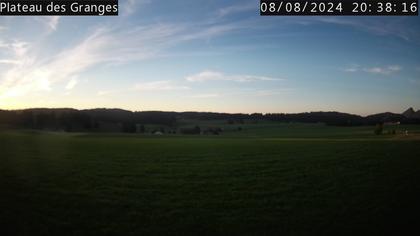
{"x":386,"y":70}
{"x":243,"y":6}
{"x":383,"y":70}
{"x":352,"y":68}
{"x":389,"y":27}
{"x":32,"y":71}
{"x":209,"y":31}
{"x":210,"y":75}
{"x":128,"y":7}
{"x":163,"y":85}
{"x":36,"y":73}
{"x":52,"y":22}
{"x":71,"y":84}
{"x":17,"y":48}
{"x":248,"y":92}
{"x":13,"y":51}
{"x":9,"y":62}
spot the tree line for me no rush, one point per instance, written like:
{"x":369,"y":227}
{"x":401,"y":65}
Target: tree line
{"x":116,"y":120}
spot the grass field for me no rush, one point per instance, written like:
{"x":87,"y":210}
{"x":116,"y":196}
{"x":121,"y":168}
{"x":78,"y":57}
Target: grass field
{"x":268,"y":179}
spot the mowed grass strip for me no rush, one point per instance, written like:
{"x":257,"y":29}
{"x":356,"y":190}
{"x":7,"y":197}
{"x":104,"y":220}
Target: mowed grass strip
{"x":90,"y":185}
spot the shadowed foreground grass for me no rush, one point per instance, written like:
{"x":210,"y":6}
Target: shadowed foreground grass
{"x":57,"y":184}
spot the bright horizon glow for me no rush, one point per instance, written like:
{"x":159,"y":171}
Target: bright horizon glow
{"x":216,"y":56}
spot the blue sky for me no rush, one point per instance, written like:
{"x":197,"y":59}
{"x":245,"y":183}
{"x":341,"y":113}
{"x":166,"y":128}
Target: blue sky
{"x":214,"y":55}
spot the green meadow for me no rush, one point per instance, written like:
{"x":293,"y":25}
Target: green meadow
{"x":264,"y":179}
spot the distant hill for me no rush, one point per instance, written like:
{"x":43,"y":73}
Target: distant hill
{"x":118,"y":120}
{"x":384,"y":117}
{"x":411,"y":114}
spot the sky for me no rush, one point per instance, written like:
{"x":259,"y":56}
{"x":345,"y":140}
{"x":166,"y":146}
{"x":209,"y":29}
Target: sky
{"x":210,"y":55}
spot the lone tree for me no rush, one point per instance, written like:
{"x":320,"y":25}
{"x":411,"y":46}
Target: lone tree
{"x":379,"y":129}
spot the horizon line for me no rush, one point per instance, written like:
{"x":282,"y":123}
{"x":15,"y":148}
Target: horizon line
{"x":186,"y":111}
